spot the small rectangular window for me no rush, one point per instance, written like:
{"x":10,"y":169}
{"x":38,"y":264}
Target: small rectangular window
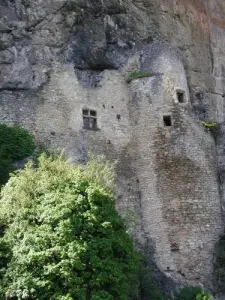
{"x":89,"y":119}
{"x":174,"y":247}
{"x":167,"y":121}
{"x":180,"y":96}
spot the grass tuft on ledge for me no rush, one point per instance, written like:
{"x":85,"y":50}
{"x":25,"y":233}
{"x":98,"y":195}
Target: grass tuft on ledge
{"x":213,"y":128}
{"x":136,"y":75}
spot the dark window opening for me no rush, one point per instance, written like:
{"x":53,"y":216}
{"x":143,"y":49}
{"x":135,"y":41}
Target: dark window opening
{"x":85,"y":112}
{"x":89,"y":119}
{"x":129,"y":187}
{"x":167,"y":120}
{"x":180,"y":96}
{"x":93,"y":113}
{"x":174,"y":247}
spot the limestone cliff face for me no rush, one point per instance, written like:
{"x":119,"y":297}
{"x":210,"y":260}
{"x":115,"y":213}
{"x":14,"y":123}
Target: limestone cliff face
{"x":63,"y":60}
{"x":97,"y":35}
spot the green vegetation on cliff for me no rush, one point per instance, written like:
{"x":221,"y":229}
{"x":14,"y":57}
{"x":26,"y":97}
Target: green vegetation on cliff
{"x":213,"y":128}
{"x":192,"y":293}
{"x":15,"y":144}
{"x":136,"y":75}
{"x":63,"y":238}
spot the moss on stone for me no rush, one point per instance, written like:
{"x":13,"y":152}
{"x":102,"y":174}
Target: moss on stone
{"x":136,"y":75}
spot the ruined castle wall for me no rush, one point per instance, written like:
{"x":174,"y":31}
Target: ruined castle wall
{"x":167,"y":178}
{"x":177,"y":171}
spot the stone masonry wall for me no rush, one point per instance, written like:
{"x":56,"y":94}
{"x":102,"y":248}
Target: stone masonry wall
{"x":58,"y":57}
{"x":167,"y":176}
{"x":177,"y":171}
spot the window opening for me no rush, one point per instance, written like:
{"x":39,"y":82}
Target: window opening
{"x":174,"y":247}
{"x":180,"y":96}
{"x":167,"y":120}
{"x":89,"y":119}
{"x":93,"y":113}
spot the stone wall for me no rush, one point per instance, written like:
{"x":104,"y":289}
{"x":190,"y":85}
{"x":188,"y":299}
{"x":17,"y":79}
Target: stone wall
{"x":167,"y":175}
{"x":58,"y":58}
{"x":177,"y":171}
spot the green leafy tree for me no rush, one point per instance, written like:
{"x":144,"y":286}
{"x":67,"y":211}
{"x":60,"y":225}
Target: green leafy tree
{"x":65,"y":237}
{"x":15,"y":144}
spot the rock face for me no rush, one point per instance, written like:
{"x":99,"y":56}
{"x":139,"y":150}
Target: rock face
{"x":63,"y":75}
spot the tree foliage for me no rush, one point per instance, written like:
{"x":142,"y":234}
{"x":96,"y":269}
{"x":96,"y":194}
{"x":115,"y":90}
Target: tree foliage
{"x":148,"y":288}
{"x":64,"y":237}
{"x":192,"y":293}
{"x":15,"y":144}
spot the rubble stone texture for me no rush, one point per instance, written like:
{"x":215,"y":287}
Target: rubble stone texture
{"x":59,"y":57}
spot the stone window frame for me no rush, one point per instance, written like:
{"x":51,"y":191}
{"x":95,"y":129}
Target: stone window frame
{"x":89,"y":119}
{"x":180,"y":91}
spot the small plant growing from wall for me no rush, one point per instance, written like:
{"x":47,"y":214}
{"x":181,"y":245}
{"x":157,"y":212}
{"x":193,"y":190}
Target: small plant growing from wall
{"x":209,"y":125}
{"x":136,"y":75}
{"x":212,"y":127}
